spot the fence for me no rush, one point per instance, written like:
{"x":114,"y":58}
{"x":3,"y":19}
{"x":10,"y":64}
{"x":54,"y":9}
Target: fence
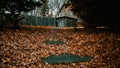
{"x":39,"y":21}
{"x":48,"y":21}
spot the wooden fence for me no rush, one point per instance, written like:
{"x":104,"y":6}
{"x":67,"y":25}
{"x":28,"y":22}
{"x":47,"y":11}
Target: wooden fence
{"x":39,"y":21}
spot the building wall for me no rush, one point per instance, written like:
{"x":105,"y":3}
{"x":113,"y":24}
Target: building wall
{"x":65,"y":22}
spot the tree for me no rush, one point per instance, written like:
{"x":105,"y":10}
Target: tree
{"x":56,"y":6}
{"x":44,"y":10}
{"x":13,"y":9}
{"x":97,"y":12}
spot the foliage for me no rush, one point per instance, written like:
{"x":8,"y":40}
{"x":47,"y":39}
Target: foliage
{"x":56,"y":6}
{"x":24,"y":48}
{"x":97,"y":12}
{"x":44,"y":11}
{"x":13,"y":8}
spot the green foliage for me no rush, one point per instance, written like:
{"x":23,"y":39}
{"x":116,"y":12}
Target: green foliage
{"x":15,"y":7}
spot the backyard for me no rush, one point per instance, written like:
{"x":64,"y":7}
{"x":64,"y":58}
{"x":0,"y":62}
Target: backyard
{"x":24,"y":48}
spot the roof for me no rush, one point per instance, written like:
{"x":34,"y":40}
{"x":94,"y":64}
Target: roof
{"x":66,"y":17}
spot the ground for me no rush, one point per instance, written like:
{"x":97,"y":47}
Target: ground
{"x":24,"y":48}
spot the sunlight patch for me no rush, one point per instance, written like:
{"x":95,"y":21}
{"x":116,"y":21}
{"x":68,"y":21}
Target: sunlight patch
{"x":65,"y":58}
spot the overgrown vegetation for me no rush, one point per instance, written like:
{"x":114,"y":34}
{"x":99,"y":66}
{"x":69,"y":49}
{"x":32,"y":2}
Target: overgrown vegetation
{"x":97,"y":12}
{"x":12,"y":9}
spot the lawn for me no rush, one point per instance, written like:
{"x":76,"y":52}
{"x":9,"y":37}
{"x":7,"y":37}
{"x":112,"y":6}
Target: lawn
{"x":24,"y":48}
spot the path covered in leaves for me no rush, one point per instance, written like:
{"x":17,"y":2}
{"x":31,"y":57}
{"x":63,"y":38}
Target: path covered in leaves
{"x":24,"y":48}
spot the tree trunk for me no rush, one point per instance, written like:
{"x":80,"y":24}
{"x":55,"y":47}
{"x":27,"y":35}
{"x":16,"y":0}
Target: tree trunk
{"x":1,"y":22}
{"x":1,"y":26}
{"x":16,"y":24}
{"x":75,"y":26}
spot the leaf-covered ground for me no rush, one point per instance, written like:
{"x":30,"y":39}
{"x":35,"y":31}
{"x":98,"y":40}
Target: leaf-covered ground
{"x":24,"y":48}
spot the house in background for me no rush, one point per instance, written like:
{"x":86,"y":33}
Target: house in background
{"x":65,"y":11}
{"x":65,"y":18}
{"x":65,"y":21}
